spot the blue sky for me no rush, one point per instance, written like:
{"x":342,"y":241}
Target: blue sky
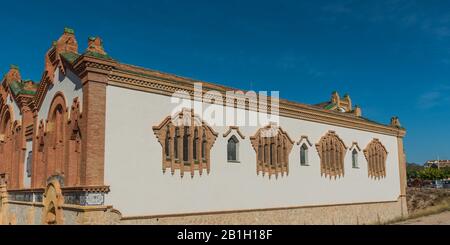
{"x":392,"y":57}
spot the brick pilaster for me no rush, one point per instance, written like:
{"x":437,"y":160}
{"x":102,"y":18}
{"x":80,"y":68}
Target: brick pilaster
{"x":93,"y":131}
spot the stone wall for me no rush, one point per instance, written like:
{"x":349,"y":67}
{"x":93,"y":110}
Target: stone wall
{"x":368,"y":213}
{"x":22,"y":213}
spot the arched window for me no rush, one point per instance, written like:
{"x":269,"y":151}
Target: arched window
{"x":265,"y":152}
{"x":260,"y":152}
{"x":331,"y":151}
{"x":204,"y":141}
{"x":5,"y":129}
{"x":186,"y":144}
{"x":355,"y":159}
{"x":176,"y":138}
{"x":195,"y":145}
{"x":232,"y":149}
{"x":58,"y":124}
{"x":279,"y":151}
{"x":304,"y":155}
{"x":272,"y":146}
{"x":56,"y":151}
{"x":376,"y":156}
{"x":6,"y":142}
{"x":28,"y":166}
{"x":272,"y":154}
{"x":167,"y":143}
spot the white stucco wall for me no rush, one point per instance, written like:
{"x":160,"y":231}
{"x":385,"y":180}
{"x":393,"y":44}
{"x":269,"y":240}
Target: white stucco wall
{"x":16,"y":109}
{"x":139,"y":187}
{"x":69,"y":85}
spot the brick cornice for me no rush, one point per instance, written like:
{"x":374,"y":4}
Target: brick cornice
{"x":113,"y":73}
{"x":90,"y":69}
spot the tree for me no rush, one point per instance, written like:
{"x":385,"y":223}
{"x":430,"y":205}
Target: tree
{"x":432,"y":174}
{"x":412,"y":170}
{"x":446,"y":171}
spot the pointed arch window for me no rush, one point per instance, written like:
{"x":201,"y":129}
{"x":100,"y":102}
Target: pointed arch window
{"x":355,"y":159}
{"x":167,"y":143}
{"x":260,"y":152}
{"x":266,"y":150}
{"x":304,"y":144}
{"x":279,"y":150}
{"x":58,"y":125}
{"x":56,"y":129}
{"x":232,"y":149}
{"x":233,"y":144}
{"x":304,"y":155}
{"x":6,"y":141}
{"x":186,"y":145}
{"x":175,"y":142}
{"x":195,"y":145}
{"x":354,"y":149}
{"x":272,"y":152}
{"x":204,"y":143}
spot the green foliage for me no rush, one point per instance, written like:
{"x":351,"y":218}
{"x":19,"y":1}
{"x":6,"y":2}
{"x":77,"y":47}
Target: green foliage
{"x":446,"y":171}
{"x":412,"y":174}
{"x":412,"y":170}
{"x":432,"y":174}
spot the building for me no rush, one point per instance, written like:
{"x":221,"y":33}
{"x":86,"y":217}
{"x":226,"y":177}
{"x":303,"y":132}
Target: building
{"x":96,"y":142}
{"x":437,"y":164}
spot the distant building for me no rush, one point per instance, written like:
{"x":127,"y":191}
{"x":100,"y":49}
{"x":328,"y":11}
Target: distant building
{"x":437,"y":164}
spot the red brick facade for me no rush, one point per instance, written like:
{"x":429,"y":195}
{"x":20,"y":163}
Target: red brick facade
{"x":69,"y":142}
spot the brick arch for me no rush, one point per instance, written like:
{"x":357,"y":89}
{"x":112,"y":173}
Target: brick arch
{"x":56,"y":135}
{"x":6,"y":115}
{"x":6,"y":139}
{"x":59,"y":100}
